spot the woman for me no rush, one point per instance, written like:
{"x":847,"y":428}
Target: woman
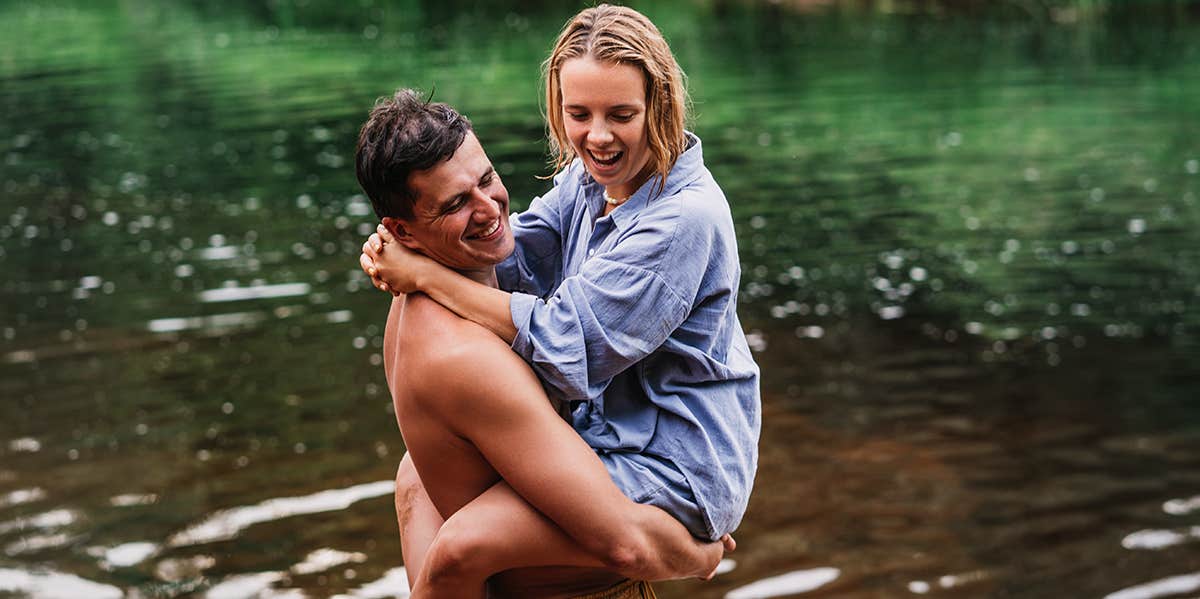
{"x":622,"y":291}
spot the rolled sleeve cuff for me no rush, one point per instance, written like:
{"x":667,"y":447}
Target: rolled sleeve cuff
{"x":520,"y":306}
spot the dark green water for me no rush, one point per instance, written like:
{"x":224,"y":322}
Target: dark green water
{"x":971,"y":249}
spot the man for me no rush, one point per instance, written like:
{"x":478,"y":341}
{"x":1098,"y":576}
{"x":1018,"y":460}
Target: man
{"x":493,"y":479}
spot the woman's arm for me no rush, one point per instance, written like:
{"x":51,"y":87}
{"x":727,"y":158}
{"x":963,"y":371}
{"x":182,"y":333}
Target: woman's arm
{"x":620,"y":307}
{"x":401,"y":270}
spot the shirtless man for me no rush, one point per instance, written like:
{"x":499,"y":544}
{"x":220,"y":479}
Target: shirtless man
{"x":494,"y":479}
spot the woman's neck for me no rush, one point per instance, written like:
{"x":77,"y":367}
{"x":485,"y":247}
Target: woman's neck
{"x":622,"y":192}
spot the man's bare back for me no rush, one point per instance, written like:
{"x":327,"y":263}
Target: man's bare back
{"x":420,"y":338}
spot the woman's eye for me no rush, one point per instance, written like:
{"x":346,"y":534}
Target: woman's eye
{"x":578,"y":116}
{"x":623,"y":118}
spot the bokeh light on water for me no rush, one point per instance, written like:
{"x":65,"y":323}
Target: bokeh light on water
{"x":970,"y":273}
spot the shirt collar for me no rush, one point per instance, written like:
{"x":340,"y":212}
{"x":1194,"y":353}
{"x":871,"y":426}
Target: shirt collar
{"x":687,"y":168}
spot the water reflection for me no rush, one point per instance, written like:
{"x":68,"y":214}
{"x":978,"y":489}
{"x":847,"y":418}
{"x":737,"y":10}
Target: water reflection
{"x":226,"y":524}
{"x":1159,"y":539}
{"x":969,"y":271}
{"x":792,"y":583}
{"x":393,"y":583}
{"x":44,"y":583}
{"x":1166,"y":587}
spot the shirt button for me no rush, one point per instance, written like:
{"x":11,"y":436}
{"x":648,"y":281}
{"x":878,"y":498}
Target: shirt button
{"x":591,"y":253}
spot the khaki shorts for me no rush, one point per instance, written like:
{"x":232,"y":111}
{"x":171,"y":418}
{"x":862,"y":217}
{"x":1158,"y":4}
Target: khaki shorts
{"x":630,"y":589}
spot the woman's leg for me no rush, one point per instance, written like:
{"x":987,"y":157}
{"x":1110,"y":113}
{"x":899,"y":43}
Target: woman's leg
{"x":500,"y":531}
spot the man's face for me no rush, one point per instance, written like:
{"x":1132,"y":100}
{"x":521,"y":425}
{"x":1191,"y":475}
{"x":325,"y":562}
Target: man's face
{"x":460,"y":217}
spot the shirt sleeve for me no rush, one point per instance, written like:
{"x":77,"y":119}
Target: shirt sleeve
{"x":536,"y":262}
{"x":620,"y":307}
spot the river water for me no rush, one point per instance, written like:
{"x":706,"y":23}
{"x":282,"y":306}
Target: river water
{"x":971,"y":250}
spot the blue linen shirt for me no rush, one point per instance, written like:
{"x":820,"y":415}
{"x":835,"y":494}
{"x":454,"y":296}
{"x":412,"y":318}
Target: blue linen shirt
{"x":632,"y":318}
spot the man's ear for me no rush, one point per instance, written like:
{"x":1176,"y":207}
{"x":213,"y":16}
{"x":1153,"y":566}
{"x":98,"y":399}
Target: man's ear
{"x":399,"y":228}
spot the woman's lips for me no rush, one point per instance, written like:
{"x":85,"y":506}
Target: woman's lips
{"x":605,"y":158}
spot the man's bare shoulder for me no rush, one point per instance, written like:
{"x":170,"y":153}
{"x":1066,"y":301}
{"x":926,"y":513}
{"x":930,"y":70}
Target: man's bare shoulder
{"x":440,"y":347}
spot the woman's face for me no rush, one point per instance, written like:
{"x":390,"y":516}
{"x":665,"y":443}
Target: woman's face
{"x":604,"y":113}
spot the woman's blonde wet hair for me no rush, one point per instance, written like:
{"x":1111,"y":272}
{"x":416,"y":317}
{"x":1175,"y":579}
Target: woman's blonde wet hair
{"x":620,"y":35}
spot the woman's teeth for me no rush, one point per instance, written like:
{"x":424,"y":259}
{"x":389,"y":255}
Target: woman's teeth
{"x":606,"y":158}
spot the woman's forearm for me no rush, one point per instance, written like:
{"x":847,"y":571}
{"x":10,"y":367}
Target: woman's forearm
{"x":479,"y":303}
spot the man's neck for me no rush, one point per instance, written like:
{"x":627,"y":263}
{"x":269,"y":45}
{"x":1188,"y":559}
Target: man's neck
{"x":487,"y":277}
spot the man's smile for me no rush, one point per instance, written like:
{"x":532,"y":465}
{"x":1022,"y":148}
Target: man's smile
{"x":488,"y":233}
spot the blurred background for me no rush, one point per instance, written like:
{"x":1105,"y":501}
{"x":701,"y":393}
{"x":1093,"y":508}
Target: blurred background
{"x":971,"y":275}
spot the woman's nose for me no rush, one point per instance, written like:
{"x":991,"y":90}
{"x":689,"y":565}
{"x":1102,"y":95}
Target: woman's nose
{"x":600,"y":134}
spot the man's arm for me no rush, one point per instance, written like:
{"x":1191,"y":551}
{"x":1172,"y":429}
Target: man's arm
{"x":487,"y":395}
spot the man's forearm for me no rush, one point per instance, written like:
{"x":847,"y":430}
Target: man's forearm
{"x":666,"y":550}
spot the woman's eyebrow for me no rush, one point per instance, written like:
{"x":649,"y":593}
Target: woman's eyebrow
{"x":617,"y":107}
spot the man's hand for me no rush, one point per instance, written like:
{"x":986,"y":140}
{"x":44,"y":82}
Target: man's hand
{"x":395,"y":270}
{"x":727,"y":545}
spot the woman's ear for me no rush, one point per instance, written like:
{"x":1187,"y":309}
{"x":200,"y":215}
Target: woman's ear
{"x":399,"y":229}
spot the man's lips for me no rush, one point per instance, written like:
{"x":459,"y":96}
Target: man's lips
{"x":490,"y":232}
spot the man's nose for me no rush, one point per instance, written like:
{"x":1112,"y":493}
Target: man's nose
{"x":483,"y":206}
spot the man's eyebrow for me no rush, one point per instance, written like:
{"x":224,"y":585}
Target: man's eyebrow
{"x":446,"y":203}
{"x":449,"y":201}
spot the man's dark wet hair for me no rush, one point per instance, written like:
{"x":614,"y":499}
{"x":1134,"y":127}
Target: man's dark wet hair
{"x":404,"y":134}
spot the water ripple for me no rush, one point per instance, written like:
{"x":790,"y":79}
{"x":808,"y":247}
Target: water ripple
{"x":46,"y":584}
{"x":394,"y":583}
{"x":226,"y":524}
{"x":1159,"y":588}
{"x":1180,"y":507}
{"x":800,"y":581}
{"x":232,"y":294}
{"x":1159,"y":539}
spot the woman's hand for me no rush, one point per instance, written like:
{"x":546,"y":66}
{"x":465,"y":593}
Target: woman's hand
{"x":371,"y":250}
{"x":391,"y":266}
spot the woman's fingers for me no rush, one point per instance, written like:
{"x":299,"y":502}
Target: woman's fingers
{"x":373,"y":246}
{"x":371,"y":250}
{"x":384,"y":234}
{"x":367,"y":264}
